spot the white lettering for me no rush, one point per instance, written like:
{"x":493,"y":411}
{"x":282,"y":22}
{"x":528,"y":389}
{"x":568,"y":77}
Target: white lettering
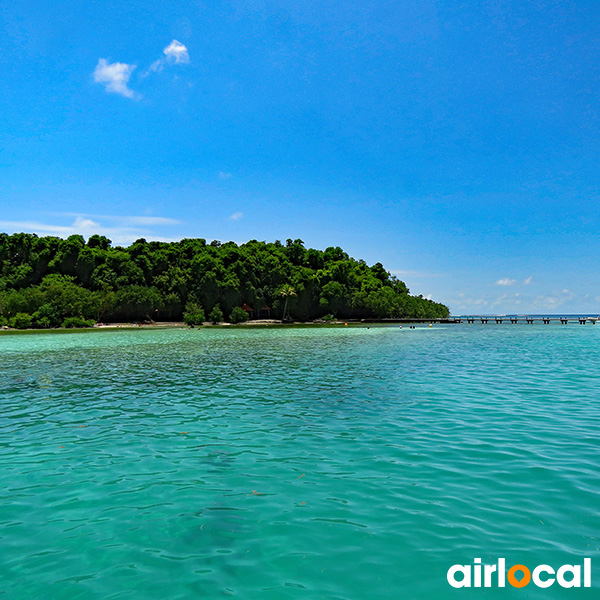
{"x":575,"y":570}
{"x":587,"y":572}
{"x":477,"y":573}
{"x":501,"y":572}
{"x":488,"y":570}
{"x":543,"y":583}
{"x":543,"y":576}
{"x":465,"y":570}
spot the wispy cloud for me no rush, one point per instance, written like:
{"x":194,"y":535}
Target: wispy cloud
{"x":121,"y":230}
{"x":149,"y":220}
{"x":554,"y":300}
{"x":115,"y":77}
{"x":507,"y":300}
{"x":177,"y":53}
{"x":223,"y":175}
{"x":506,"y":281}
{"x":465,"y":302}
{"x":236,"y":216}
{"x":156,"y":67}
{"x":125,"y":219}
{"x":527,"y":281}
{"x":401,"y":273}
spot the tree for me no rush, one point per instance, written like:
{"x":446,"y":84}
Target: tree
{"x":136,"y":302}
{"x":287,"y":291}
{"x":104,"y":302}
{"x":194,"y":314}
{"x":238,"y":315}
{"x":21,"y":321}
{"x":152,"y":279}
{"x":216,"y":315}
{"x":333,"y":297}
{"x":67,"y":254}
{"x":77,"y":323}
{"x":99,"y":241}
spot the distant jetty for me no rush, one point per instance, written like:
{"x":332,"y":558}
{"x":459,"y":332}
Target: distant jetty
{"x":528,"y":320}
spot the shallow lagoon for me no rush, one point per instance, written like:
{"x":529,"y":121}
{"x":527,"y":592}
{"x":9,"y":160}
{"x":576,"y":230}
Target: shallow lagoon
{"x":339,"y":463}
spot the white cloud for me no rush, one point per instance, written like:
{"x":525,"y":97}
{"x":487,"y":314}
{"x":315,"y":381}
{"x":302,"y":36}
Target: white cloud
{"x":507,"y":299}
{"x":401,"y":273}
{"x":223,"y":175}
{"x":156,"y":67}
{"x":152,"y":221}
{"x":115,"y":77}
{"x":467,"y":304}
{"x":506,"y":281}
{"x":236,"y":216}
{"x":124,"y":219}
{"x":122,"y":230}
{"x":553,"y":301}
{"x":528,"y":280}
{"x":145,"y":220}
{"x":177,"y":53}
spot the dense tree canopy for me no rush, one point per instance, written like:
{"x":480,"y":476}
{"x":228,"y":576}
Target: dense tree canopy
{"x":47,"y":280}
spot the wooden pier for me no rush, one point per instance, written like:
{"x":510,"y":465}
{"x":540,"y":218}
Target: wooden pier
{"x":497,"y":319}
{"x":528,"y":320}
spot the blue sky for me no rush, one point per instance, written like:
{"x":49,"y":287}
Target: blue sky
{"x":457,"y":143}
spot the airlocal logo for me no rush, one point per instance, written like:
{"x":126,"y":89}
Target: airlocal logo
{"x":478,"y":575}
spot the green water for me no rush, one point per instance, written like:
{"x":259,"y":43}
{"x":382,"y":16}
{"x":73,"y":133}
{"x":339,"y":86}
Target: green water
{"x":336,"y":463}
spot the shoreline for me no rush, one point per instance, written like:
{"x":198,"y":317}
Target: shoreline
{"x":250,"y":324}
{"x":274,"y":323}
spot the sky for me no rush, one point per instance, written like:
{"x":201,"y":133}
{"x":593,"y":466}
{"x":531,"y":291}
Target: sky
{"x":457,"y":143}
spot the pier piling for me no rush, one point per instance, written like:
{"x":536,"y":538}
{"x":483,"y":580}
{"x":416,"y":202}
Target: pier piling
{"x":516,"y":319}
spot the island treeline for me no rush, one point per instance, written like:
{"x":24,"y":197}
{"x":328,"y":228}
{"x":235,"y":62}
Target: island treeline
{"x":51,"y":282}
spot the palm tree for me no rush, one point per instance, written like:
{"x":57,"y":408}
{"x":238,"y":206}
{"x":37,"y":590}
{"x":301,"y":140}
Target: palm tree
{"x":286,"y":291}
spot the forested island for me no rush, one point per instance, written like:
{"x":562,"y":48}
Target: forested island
{"x":48,"y":282}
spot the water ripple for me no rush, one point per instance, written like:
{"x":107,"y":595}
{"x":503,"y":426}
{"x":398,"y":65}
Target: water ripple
{"x":345,"y":463}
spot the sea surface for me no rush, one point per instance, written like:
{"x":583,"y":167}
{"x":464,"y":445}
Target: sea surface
{"x":344,"y":463}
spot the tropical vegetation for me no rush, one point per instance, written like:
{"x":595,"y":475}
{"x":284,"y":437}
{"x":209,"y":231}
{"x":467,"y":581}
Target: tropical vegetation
{"x":52,"y":282}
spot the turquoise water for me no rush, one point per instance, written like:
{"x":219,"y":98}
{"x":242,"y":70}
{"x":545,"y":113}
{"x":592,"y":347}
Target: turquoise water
{"x":337,"y":463}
